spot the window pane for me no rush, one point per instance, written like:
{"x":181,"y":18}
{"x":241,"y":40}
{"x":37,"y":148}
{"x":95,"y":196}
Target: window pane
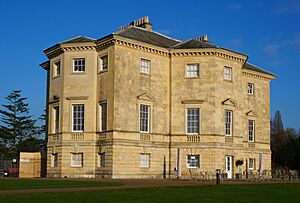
{"x":144,"y":160}
{"x":79,"y":65}
{"x":228,"y":122}
{"x":192,"y":70}
{"x":145,"y":66}
{"x":103,"y":116}
{"x":193,"y":120}
{"x":78,"y":117}
{"x":193,"y":161}
{"x":144,"y":118}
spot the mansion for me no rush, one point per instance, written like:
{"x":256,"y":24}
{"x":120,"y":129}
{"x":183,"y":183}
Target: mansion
{"x":139,"y":104}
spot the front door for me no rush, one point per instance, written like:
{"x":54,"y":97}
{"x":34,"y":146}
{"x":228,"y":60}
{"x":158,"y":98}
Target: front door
{"x":229,"y":166}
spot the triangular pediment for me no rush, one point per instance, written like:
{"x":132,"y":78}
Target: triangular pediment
{"x":145,"y":96}
{"x":251,"y":113}
{"x":229,"y":102}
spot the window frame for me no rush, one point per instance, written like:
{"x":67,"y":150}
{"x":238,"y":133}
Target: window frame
{"x":252,"y":130}
{"x":187,"y":121}
{"x":145,"y":163}
{"x":188,"y":162}
{"x":55,"y":68}
{"x":84,"y":65}
{"x":197,"y":71}
{"x":231,"y":123}
{"x":225,"y":74}
{"x":253,"y":164}
{"x":252,"y":89}
{"x":56,"y":117}
{"x":101,"y":161}
{"x":101,"y":67}
{"x":101,"y":116}
{"x":148,"y":117}
{"x":143,"y":68}
{"x":54,"y":160}
{"x":83,"y":123}
{"x":72,"y":161}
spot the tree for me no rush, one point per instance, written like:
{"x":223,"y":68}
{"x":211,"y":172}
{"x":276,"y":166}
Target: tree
{"x":16,"y":123}
{"x":277,"y":124}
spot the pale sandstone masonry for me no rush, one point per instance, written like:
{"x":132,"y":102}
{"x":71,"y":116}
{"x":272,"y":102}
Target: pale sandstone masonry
{"x":168,"y":92}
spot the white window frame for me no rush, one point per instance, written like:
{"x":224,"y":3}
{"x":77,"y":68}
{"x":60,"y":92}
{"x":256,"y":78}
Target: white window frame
{"x":80,"y":66}
{"x":227,"y":75}
{"x":55,"y":117}
{"x":251,"y":165}
{"x":101,"y":116}
{"x":187,"y":121}
{"x":190,"y":157}
{"x":79,"y":165}
{"x":191,"y":72}
{"x":144,"y":160}
{"x":103,"y":67}
{"x":54,"y":160}
{"x":148,"y":118}
{"x":145,"y":66}
{"x":229,"y":123}
{"x":56,"y":67}
{"x":250,"y":88}
{"x":251,"y":130}
{"x":83,"y":123}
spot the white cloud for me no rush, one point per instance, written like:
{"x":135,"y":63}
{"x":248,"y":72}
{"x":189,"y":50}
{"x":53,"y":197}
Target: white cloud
{"x":271,"y":49}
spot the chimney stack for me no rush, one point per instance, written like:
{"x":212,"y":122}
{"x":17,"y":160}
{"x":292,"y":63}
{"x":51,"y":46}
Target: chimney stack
{"x":203,"y":38}
{"x":141,"y":22}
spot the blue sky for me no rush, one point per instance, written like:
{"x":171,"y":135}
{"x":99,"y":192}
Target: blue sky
{"x":267,"y":31}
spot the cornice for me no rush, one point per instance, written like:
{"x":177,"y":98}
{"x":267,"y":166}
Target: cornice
{"x":258,"y":75}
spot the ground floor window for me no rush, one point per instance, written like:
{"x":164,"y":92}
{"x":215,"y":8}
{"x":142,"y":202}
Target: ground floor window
{"x":251,"y":164}
{"x":101,"y":159}
{"x":76,"y":159}
{"x":193,"y":161}
{"x":144,"y":160}
{"x":54,"y":159}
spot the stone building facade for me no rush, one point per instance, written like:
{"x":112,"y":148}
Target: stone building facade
{"x":139,"y":104}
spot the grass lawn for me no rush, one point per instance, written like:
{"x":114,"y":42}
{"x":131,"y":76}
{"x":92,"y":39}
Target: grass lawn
{"x":14,"y":184}
{"x":206,"y":193}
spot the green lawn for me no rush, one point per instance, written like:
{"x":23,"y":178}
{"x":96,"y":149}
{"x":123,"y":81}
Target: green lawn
{"x":11,"y":184}
{"x":207,"y":193}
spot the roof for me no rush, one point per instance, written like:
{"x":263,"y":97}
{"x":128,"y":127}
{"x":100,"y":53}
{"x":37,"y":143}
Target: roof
{"x":252,"y":67}
{"x":147,"y":36}
{"x":193,"y":44}
{"x":78,"y":39}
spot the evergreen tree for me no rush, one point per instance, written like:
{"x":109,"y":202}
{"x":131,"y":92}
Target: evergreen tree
{"x":16,"y":123}
{"x":277,"y":124}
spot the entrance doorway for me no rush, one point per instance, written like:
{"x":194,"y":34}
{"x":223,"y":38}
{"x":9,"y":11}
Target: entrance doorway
{"x":229,"y":166}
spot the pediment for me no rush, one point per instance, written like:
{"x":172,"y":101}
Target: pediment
{"x":229,"y":102}
{"x":54,"y":99}
{"x":251,"y":113}
{"x":145,"y":96}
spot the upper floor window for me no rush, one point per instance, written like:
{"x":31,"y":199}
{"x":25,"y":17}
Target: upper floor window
{"x":144,"y":160}
{"x":145,"y":66}
{"x":104,"y":63}
{"x":56,"y":68}
{"x":250,"y":88}
{"x":78,"y":117}
{"x":251,"y":130}
{"x":103,"y":116}
{"x":192,"y":70}
{"x":79,"y":65}
{"x":193,"y":161}
{"x":56,"y":119}
{"x":228,"y":122}
{"x":193,"y":120}
{"x":144,"y":118}
{"x":227,"y":73}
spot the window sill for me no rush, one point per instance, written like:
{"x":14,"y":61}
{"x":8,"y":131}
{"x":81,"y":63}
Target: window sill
{"x":228,"y":135}
{"x":78,"y":73}
{"x":102,"y":71}
{"x":145,"y":74}
{"x":229,"y":81}
{"x":76,"y":166}
{"x":54,"y":77}
{"x":199,"y":77}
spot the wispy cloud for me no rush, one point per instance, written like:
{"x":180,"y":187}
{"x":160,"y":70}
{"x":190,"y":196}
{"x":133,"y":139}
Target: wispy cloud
{"x":236,"y":42}
{"x":234,"y":6}
{"x":271,"y":49}
{"x":286,"y":7}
